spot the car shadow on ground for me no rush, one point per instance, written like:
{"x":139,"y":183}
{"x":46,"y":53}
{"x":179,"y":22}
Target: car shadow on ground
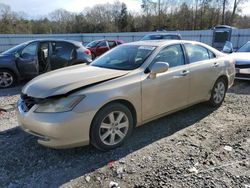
{"x":240,"y":87}
{"x":46,"y":167}
{"x":12,"y":91}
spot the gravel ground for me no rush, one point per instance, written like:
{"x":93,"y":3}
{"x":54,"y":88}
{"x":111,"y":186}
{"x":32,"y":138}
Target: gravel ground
{"x":196,"y":147}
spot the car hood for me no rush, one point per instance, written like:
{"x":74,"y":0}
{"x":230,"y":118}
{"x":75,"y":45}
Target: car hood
{"x":241,"y":57}
{"x":63,"y":81}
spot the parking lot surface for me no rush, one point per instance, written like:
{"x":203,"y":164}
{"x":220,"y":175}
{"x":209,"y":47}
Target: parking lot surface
{"x":196,"y":147}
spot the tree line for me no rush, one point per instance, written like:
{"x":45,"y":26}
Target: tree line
{"x":160,"y":14}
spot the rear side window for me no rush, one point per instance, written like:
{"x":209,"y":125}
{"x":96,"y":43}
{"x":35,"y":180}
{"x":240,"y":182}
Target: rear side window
{"x":211,"y":54}
{"x":173,"y":55}
{"x":196,"y":53}
{"x":103,"y":44}
{"x":111,"y":44}
{"x":63,"y":50}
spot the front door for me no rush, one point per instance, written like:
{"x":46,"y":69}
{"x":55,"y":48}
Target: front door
{"x":101,"y":48}
{"x":169,"y":90}
{"x":27,"y":60}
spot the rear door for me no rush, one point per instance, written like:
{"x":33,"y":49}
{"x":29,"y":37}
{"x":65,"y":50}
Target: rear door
{"x":204,"y":70}
{"x":62,"y":54}
{"x":27,"y":60}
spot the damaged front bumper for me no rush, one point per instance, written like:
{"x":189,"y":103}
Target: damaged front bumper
{"x":55,"y":130}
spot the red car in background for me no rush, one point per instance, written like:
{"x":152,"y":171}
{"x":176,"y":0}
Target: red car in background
{"x":99,"y":47}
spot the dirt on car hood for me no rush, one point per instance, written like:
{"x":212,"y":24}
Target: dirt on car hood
{"x":65,"y":80}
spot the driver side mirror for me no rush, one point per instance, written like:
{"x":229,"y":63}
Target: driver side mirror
{"x":228,"y":47}
{"x":158,"y":67}
{"x":17,"y":55}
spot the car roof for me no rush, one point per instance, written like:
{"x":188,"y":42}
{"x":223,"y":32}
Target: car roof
{"x":76,"y":43}
{"x":160,"y":42}
{"x":99,"y":40}
{"x":151,"y":34}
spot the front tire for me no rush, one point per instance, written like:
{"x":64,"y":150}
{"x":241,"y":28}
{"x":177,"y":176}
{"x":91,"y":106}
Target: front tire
{"x":111,"y":127}
{"x":218,"y":93}
{"x":7,"y":79}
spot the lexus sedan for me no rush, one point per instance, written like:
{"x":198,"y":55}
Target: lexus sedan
{"x":128,"y":86}
{"x":32,"y":58}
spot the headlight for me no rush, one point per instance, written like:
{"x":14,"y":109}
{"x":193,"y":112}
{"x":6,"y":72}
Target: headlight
{"x":60,"y":105}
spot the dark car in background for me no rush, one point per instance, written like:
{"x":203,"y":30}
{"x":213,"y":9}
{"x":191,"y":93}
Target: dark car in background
{"x":162,"y":36}
{"x":242,"y":59}
{"x":35,"y":57}
{"x":99,"y":47}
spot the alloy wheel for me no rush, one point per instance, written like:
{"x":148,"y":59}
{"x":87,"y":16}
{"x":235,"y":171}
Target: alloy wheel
{"x":6,"y":79}
{"x":114,"y":128}
{"x":219,"y":92}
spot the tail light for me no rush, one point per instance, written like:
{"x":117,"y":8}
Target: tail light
{"x":88,"y":52}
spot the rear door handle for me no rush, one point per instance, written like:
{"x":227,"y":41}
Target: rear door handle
{"x":185,"y":73}
{"x":216,"y":64}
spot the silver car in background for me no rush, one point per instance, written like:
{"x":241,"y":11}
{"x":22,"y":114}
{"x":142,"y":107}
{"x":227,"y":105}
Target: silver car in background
{"x":128,"y":86}
{"x":242,"y":59}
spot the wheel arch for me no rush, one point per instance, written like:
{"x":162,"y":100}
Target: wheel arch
{"x":225,"y":78}
{"x":10,"y":70}
{"x":126,"y":103}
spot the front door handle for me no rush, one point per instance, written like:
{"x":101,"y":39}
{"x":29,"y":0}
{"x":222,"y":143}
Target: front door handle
{"x":185,"y":73}
{"x":216,"y":64}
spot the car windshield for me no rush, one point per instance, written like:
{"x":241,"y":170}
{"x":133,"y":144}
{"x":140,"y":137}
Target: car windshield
{"x":14,"y":49}
{"x":245,"y":48}
{"x":125,"y":57}
{"x":92,"y":44}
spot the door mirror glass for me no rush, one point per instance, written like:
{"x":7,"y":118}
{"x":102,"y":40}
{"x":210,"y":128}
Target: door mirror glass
{"x":158,"y":67}
{"x":228,"y":47}
{"x":17,"y":55}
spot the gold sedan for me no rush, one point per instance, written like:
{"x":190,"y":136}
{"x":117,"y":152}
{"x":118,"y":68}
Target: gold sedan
{"x":132,"y":84}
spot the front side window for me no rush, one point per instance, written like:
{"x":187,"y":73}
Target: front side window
{"x":125,"y":57}
{"x":196,"y":53}
{"x":30,"y":50}
{"x":173,"y":55}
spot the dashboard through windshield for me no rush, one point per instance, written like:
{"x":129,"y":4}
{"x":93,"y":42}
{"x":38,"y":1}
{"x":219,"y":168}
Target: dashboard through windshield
{"x":125,"y":57}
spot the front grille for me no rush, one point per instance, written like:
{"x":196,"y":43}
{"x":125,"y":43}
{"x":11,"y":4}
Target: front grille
{"x":29,"y":102}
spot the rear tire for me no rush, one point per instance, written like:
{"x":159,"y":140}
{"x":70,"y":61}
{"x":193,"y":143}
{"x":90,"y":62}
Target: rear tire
{"x":218,"y":93}
{"x":7,"y":79}
{"x":111,"y":127}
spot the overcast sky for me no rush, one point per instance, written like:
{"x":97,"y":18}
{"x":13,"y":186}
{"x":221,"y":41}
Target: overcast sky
{"x":37,"y":8}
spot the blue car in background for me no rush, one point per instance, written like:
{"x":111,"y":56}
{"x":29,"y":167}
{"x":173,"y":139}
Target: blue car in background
{"x":35,"y":57}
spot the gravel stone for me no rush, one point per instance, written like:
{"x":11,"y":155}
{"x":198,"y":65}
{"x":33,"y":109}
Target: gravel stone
{"x":158,"y":154}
